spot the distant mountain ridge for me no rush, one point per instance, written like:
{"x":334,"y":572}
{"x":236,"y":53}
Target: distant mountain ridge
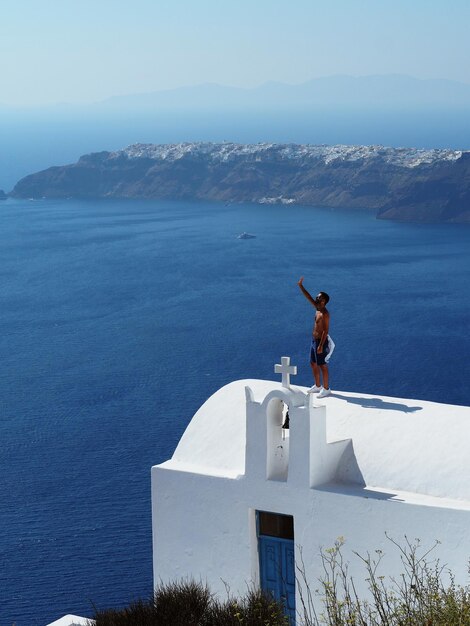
{"x":387,"y":90}
{"x":397,"y":183}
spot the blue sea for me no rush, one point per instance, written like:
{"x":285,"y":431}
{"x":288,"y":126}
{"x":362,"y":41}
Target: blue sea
{"x":119,"y":318}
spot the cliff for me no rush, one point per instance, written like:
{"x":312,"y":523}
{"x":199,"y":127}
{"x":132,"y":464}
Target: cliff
{"x":397,"y":183}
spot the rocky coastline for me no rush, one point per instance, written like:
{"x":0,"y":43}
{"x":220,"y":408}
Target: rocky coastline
{"x":403,"y":184}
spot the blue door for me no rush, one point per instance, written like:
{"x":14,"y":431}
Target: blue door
{"x":277,"y":571}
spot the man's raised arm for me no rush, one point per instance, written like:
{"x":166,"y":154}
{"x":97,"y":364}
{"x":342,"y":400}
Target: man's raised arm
{"x":305,"y":292}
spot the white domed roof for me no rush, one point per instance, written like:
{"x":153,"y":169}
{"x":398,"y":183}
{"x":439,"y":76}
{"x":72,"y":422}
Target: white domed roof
{"x":214,"y":441}
{"x":399,"y":444}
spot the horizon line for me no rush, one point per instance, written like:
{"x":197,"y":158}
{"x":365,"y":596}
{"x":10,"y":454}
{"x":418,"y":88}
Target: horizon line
{"x":166,"y":90}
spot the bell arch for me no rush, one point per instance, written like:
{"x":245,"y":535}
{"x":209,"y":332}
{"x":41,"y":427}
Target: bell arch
{"x":277,"y":443}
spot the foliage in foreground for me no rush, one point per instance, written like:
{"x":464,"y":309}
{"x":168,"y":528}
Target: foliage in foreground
{"x":188,"y":603}
{"x":425,"y":593}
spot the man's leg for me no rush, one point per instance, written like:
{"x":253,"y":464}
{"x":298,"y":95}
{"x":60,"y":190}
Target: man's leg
{"x":316,"y":373}
{"x":315,"y":369}
{"x":324,"y":371}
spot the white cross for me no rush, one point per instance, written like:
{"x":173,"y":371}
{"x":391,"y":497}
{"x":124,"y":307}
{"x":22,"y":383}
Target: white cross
{"x":286,"y":369}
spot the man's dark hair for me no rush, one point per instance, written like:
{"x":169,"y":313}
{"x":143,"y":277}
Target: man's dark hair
{"x":325,"y":296}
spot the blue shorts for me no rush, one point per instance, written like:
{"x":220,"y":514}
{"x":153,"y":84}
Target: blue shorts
{"x":319,"y":359}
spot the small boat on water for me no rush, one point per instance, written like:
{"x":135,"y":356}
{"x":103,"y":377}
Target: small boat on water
{"x":246,"y":236}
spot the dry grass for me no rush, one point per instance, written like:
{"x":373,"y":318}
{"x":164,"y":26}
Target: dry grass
{"x":189,"y":603}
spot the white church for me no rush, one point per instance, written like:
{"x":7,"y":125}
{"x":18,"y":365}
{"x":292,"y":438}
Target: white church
{"x":245,"y":500}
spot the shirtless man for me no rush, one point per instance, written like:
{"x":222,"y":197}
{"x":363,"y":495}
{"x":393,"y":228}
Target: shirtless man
{"x":320,"y":344}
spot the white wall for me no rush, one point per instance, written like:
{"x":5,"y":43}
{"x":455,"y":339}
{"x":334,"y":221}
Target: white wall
{"x":202,"y":527}
{"x":204,"y":502}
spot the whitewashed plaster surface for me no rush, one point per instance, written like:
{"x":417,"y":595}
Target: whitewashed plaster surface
{"x":401,"y":444}
{"x":72,"y":620}
{"x":358,"y":466}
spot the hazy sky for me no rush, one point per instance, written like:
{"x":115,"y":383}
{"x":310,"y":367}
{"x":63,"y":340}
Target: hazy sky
{"x":87,"y":50}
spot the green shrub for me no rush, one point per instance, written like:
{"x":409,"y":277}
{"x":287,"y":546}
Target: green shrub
{"x":140,"y":613}
{"x":188,"y":603}
{"x":425,"y":593}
